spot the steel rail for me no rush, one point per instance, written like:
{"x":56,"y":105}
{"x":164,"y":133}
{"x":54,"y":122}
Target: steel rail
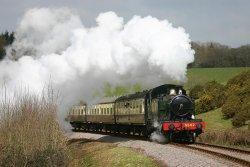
{"x":223,"y":148}
{"x":218,"y":154}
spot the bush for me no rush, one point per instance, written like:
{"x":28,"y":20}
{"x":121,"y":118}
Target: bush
{"x":237,"y":104}
{"x":217,"y":91}
{"x":203,"y":104}
{"x":238,"y":120}
{"x":195,"y":91}
{"x":239,"y":80}
{"x":210,"y":96}
{"x":231,"y":105}
{"x":30,"y":133}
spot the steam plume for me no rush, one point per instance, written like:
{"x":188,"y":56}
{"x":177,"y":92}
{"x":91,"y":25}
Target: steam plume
{"x":53,"y":45}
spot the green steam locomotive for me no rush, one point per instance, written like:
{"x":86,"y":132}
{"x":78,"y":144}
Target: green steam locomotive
{"x":165,"y":108}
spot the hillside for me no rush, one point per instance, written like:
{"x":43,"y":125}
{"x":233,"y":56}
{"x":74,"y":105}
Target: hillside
{"x":201,"y":75}
{"x":214,"y":120}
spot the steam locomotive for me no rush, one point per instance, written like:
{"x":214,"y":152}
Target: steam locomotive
{"x":166,"y":109}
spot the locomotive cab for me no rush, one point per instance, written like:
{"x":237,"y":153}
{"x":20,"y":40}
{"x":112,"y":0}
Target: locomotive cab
{"x":176,"y":113}
{"x":173,"y":106}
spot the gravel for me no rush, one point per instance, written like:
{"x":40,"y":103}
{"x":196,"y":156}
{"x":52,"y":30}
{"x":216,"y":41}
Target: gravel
{"x":170,"y":155}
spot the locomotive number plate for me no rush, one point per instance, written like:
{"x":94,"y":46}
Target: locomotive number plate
{"x":189,"y":125}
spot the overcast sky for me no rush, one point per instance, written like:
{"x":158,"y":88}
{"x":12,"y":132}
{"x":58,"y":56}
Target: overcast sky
{"x":224,"y":21}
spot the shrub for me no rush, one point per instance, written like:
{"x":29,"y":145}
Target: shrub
{"x":203,"y":104}
{"x":237,"y":103}
{"x":239,"y":80}
{"x":231,"y":105}
{"x":238,"y":120}
{"x":195,"y":91}
{"x":211,"y":96}
{"x":30,"y":133}
{"x":217,"y":91}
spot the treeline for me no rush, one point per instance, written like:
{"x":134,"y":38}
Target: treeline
{"x":208,"y":55}
{"x":6,"y":39}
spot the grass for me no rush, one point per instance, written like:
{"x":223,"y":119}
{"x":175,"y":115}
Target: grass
{"x":238,"y":138}
{"x":98,"y":154}
{"x":201,"y":75}
{"x":221,"y":132}
{"x":215,"y":121}
{"x":30,"y":133}
{"x":194,"y":76}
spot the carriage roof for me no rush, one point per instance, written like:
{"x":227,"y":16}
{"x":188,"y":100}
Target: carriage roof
{"x":106,"y":100}
{"x":154,"y":92}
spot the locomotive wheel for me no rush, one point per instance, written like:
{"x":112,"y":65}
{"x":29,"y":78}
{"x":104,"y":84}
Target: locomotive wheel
{"x":192,"y":138}
{"x":169,"y":137}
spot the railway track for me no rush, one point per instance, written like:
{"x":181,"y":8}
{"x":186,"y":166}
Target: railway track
{"x":241,"y":157}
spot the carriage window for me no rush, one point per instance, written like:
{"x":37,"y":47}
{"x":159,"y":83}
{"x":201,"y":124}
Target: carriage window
{"x":111,"y":110}
{"x":108,"y":110}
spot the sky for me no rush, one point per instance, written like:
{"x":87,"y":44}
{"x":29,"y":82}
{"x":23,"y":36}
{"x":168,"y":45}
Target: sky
{"x":223,"y":21}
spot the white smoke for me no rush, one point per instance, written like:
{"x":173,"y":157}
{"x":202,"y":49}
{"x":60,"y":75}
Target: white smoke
{"x":53,"y":45}
{"x":157,"y":136}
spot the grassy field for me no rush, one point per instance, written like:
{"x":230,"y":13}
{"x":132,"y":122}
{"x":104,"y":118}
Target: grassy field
{"x":201,"y":75}
{"x":194,"y":76}
{"x":99,"y":154}
{"x":215,"y":121}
